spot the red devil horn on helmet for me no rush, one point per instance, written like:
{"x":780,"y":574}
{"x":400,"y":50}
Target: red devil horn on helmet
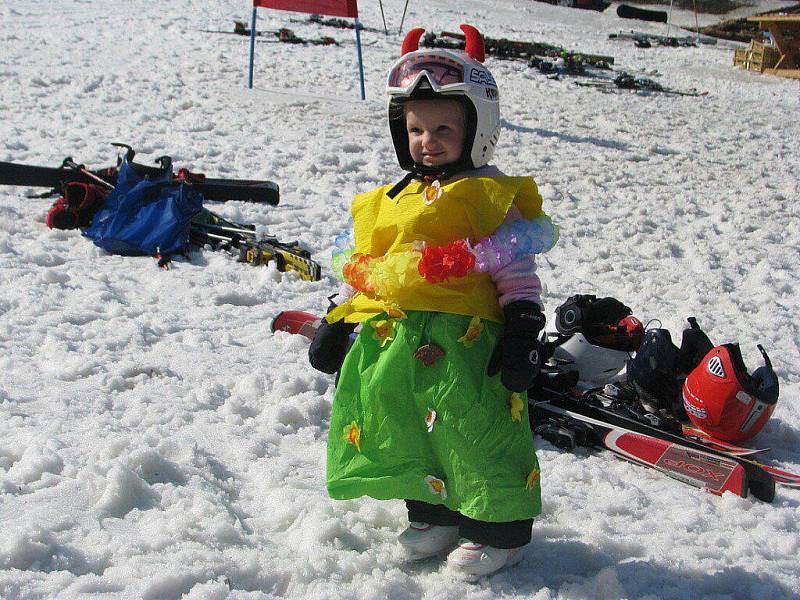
{"x":411,"y":41}
{"x":474,"y":47}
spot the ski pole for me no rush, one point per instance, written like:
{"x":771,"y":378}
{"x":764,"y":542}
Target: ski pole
{"x":222,"y":228}
{"x":221,"y":238}
{"x":68,"y":162}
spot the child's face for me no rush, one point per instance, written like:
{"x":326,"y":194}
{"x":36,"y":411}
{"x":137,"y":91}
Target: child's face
{"x":435,"y":131}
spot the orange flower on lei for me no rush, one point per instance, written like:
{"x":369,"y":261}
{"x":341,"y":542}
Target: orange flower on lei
{"x":356,"y":272}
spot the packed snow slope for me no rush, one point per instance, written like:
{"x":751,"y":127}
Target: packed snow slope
{"x":158,"y":442}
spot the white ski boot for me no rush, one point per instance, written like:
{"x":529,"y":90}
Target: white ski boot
{"x":471,"y":561}
{"x":422,"y":540}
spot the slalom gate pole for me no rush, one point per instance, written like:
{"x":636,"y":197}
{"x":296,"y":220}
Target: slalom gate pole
{"x":383,"y":16}
{"x":360,"y":61}
{"x":403,"y":20}
{"x":252,"y":47}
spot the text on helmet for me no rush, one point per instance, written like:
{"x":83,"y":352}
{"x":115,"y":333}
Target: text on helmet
{"x":482,"y":77}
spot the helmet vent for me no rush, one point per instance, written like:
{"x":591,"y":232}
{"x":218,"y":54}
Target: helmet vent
{"x":715,"y":367}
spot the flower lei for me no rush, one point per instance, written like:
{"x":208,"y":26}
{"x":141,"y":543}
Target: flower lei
{"x":382,"y":276}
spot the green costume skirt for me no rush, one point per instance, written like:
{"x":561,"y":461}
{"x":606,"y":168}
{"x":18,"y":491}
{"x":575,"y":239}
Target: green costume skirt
{"x":428,"y":424}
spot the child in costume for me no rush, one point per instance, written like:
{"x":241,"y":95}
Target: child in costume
{"x":443,"y":279}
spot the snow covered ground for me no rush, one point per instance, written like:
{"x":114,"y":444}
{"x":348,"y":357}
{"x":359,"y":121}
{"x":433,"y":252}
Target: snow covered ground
{"x":158,"y":442}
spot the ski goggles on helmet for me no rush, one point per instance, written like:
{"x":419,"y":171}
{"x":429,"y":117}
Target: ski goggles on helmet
{"x":443,"y":73}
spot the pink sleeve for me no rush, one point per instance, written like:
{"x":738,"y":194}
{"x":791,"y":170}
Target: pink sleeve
{"x":518,"y":280}
{"x":346,"y":291}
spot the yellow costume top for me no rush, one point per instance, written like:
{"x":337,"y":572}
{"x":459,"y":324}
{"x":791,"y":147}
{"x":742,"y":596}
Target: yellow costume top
{"x":470,"y":208}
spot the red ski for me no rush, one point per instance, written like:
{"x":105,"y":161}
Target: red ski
{"x":296,"y":321}
{"x":713,"y":473}
{"x":697,"y":438}
{"x":300,"y":322}
{"x":700,"y":469}
{"x":780,"y":476}
{"x":698,"y":435}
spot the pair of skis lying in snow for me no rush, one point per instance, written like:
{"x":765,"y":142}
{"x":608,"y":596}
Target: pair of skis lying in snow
{"x":626,"y":81}
{"x":596,"y":419}
{"x":217,"y":189}
{"x":570,"y":419}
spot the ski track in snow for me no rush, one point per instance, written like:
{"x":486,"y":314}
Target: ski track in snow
{"x":158,"y":442}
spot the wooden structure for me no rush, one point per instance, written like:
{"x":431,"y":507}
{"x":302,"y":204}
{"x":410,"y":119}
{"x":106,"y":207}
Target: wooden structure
{"x":785,"y":31}
{"x":756,"y":57}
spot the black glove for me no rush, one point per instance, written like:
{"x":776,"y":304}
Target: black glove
{"x":518,"y":354}
{"x":330,"y":345}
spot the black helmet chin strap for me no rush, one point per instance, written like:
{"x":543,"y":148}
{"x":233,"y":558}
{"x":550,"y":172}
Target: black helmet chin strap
{"x":401,"y":185}
{"x":424,"y":172}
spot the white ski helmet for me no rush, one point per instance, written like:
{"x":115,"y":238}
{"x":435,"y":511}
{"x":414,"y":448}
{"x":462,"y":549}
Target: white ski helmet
{"x":596,"y":365}
{"x":452,"y":74}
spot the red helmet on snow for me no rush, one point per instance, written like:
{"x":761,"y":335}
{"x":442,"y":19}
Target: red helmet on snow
{"x":723,"y":400}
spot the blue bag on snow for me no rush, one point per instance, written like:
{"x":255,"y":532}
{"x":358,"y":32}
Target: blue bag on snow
{"x":143,"y":216}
